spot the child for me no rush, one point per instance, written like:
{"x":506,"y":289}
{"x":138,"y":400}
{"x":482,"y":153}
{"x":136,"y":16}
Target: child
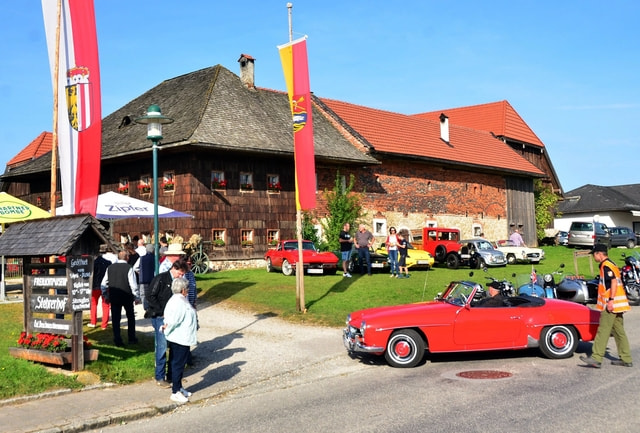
{"x":402,"y":262}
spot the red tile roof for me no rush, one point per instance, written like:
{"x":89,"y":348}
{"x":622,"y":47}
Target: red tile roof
{"x":420,"y":137}
{"x":35,"y":149}
{"x":497,"y":117}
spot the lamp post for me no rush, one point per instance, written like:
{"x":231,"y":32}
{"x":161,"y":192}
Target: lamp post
{"x":154,"y":121}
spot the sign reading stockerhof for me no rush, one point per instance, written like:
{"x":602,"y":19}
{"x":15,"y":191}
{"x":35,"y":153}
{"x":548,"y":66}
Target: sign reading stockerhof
{"x":60,"y":294}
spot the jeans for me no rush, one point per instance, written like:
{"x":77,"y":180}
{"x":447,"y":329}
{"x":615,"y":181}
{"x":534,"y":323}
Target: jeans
{"x":364,"y":257}
{"x":178,"y":362}
{"x":393,"y":261}
{"x":162,"y":366}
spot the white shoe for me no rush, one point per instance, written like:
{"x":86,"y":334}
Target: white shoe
{"x":185,"y":392}
{"x":348,"y":275}
{"x":179,"y":398}
{"x":91,"y":325}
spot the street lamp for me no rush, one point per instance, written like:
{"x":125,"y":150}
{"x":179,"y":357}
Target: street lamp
{"x":154,"y":121}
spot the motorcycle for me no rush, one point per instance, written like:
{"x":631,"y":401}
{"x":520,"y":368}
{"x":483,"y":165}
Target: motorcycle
{"x":631,"y":278}
{"x":535,"y":285}
{"x":575,"y":288}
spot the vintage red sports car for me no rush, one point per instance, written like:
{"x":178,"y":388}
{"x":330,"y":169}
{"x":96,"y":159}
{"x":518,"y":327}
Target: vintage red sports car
{"x":285,"y":258}
{"x":456,"y":321}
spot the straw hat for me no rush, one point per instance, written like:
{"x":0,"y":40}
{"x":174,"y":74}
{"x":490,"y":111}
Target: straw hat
{"x":174,"y":250}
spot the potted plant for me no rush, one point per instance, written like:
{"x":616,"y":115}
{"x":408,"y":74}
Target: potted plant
{"x":219,"y":243}
{"x":123,"y":189}
{"x":144,"y":188}
{"x":247,"y":244}
{"x":274,"y":187}
{"x":246,"y":187}
{"x":168,"y":185}
{"x":218,"y":184}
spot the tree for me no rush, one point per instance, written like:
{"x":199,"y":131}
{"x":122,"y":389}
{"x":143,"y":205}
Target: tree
{"x":545,"y":204}
{"x":344,"y":206}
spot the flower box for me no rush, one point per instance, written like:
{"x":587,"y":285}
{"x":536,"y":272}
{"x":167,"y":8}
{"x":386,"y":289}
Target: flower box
{"x":219,"y":184}
{"x":46,"y":357}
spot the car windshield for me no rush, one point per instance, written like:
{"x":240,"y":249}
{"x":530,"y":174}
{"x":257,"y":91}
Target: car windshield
{"x":306,"y":245}
{"x":458,"y":293}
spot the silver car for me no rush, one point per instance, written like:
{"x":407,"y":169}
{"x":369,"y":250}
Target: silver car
{"x":588,"y":233}
{"x":487,"y":255}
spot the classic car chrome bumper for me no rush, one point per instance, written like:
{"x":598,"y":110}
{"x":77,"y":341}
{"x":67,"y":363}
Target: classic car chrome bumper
{"x":352,"y":343}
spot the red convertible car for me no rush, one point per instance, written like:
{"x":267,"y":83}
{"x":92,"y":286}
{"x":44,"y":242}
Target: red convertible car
{"x":285,"y":258}
{"x":456,"y":321}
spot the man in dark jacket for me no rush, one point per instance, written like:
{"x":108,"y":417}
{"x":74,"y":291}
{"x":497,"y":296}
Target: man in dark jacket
{"x":122,"y":288}
{"x":159,"y":294}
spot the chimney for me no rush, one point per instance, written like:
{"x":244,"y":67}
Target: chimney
{"x":444,"y":128}
{"x":247,"y":75}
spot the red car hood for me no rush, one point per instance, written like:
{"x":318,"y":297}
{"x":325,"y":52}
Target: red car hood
{"x":380,"y":315}
{"x":314,"y":256}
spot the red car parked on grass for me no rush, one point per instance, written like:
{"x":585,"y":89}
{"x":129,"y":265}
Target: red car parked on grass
{"x":285,"y":257}
{"x":457,"y":322}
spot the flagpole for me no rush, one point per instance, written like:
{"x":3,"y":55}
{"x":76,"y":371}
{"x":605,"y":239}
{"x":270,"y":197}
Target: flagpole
{"x":300,"y":303}
{"x":54,"y":135}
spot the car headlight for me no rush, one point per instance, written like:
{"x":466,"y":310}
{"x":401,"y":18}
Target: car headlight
{"x":348,"y":319}
{"x":548,"y":278}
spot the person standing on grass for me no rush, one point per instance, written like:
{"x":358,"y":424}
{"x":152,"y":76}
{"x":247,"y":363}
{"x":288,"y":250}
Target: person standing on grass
{"x":180,"y":328}
{"x":403,"y":252}
{"x":346,"y":245}
{"x":392,"y":251}
{"x":364,"y":240}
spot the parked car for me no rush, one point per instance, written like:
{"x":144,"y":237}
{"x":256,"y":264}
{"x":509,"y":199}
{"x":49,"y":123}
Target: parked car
{"x":416,"y":258}
{"x":482,"y":253}
{"x":516,"y":254}
{"x":586,"y":233}
{"x":562,"y":238}
{"x":378,"y":261}
{"x":456,"y":322}
{"x":285,"y":258}
{"x":622,"y":237}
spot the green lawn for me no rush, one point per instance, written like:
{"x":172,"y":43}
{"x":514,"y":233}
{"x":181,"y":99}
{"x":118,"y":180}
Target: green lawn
{"x":328,"y":300}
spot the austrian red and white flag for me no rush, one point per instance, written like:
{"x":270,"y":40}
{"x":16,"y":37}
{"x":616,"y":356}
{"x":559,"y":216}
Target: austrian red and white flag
{"x":79,"y":119}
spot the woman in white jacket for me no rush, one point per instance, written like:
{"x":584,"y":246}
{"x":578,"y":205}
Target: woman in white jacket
{"x":180,"y":327}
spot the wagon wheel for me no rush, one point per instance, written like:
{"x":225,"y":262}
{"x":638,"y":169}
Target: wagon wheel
{"x":199,"y":263}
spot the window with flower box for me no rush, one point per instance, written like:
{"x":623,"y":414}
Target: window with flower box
{"x":246,"y":181}
{"x":218,"y":238}
{"x":218,"y":180}
{"x":123,"y":186}
{"x":273,"y":183}
{"x":246,"y":238}
{"x":273,"y":236}
{"x":144,"y":186}
{"x":168,"y":181}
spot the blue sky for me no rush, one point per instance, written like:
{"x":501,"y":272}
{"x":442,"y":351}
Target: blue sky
{"x":571,"y":69}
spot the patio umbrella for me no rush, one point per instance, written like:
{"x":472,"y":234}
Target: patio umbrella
{"x":113,"y":206}
{"x":12,"y":210}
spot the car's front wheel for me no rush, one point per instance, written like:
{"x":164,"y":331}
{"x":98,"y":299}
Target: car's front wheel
{"x":269,"y":265}
{"x":511,"y":259}
{"x":405,"y":349}
{"x":559,"y":341}
{"x":631,"y":244}
{"x":287,"y":269}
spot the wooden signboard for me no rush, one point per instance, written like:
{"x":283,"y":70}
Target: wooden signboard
{"x":58,"y":296}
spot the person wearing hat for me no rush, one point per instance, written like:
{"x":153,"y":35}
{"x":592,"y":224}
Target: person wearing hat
{"x":612,"y":303}
{"x":173,"y":253}
{"x":100,"y":265}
